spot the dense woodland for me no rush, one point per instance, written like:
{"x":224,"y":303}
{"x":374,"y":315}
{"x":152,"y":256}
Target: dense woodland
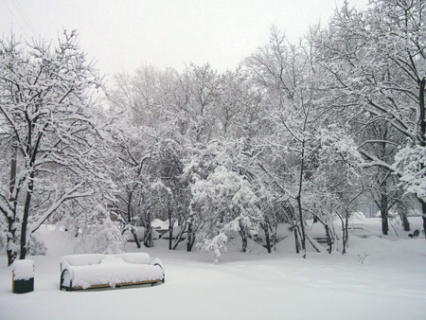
{"x":299,"y":131}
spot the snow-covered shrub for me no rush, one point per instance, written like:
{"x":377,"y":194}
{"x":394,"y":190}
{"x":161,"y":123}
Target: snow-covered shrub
{"x":107,"y":239}
{"x":216,"y":246}
{"x":102,"y":236}
{"x":36,"y":246}
{"x":410,"y":164}
{"x":226,"y":201}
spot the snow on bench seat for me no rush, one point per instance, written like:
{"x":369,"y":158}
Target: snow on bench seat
{"x":87,"y":271}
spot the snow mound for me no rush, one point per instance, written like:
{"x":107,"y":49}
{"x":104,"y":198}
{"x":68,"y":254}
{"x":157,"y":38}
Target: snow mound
{"x":159,"y":224}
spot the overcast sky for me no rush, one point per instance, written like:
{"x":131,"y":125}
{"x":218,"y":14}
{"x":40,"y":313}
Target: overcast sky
{"x":122,"y":34}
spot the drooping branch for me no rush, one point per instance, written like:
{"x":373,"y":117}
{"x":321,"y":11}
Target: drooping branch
{"x":70,"y":194}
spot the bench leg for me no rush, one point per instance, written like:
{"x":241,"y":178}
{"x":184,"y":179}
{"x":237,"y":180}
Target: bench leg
{"x":66,"y":281}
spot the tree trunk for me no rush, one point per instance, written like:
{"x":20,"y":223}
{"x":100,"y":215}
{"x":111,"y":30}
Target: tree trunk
{"x":129,"y":220}
{"x":13,"y":170}
{"x":404,"y":220}
{"x":384,"y":213}
{"x":191,"y":236}
{"x":299,"y":200}
{"x":147,"y":241}
{"x":265,"y":227}
{"x":11,"y":251}
{"x":243,"y":234}
{"x":179,"y":237}
{"x":135,"y":237}
{"x":170,"y":237}
{"x":26,"y":214}
{"x":170,"y":214}
{"x":302,"y":227}
{"x":313,"y":244}
{"x":329,"y":240}
{"x":296,"y":240}
{"x":385,"y":222}
{"x":345,"y":233}
{"x":129,"y":207}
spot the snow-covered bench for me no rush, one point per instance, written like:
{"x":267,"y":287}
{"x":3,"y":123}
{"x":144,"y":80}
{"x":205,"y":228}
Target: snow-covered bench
{"x":89,"y":271}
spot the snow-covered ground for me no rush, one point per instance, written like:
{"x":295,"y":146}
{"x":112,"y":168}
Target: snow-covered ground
{"x":378,"y":279}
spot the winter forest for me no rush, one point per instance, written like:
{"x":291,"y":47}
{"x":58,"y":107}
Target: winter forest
{"x":301,"y":132}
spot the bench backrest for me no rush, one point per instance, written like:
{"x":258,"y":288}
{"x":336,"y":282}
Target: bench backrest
{"x":136,"y":257}
{"x":81,"y":259}
{"x":92,"y":259}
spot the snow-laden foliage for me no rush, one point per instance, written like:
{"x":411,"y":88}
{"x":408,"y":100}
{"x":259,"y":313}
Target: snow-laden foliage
{"x":36,"y":246}
{"x":216,"y":245}
{"x":100,"y":234}
{"x":222,"y":197}
{"x":340,"y":141}
{"x":410,"y":164}
{"x":229,"y":194}
{"x":339,"y":150}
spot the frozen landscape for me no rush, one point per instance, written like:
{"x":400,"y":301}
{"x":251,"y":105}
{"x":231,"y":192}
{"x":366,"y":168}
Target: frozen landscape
{"x":295,"y":146}
{"x":378,"y":279}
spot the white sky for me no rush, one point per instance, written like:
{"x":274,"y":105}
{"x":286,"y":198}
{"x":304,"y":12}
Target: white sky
{"x":122,"y":34}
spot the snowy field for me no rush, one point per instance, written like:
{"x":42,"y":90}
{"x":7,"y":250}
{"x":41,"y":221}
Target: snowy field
{"x":377,"y":279}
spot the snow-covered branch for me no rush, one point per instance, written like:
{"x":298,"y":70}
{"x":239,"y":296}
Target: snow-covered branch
{"x":69,"y":194}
